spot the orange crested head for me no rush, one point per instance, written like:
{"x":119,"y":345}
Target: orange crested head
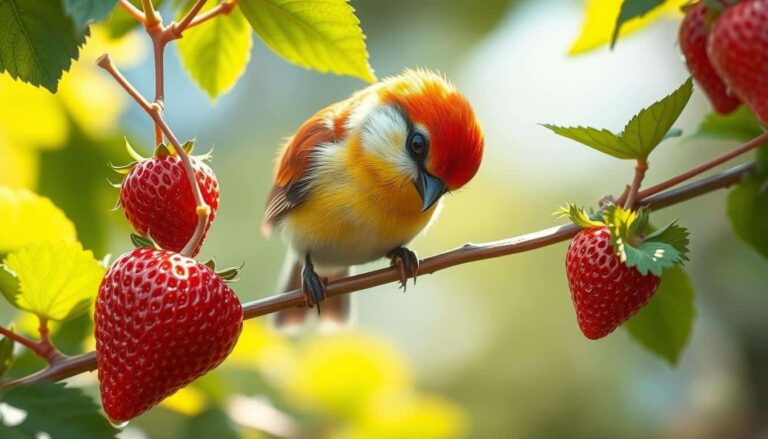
{"x":445,"y":135}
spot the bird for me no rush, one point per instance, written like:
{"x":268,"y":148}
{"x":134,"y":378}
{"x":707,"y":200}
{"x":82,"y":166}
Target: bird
{"x":364,"y":176}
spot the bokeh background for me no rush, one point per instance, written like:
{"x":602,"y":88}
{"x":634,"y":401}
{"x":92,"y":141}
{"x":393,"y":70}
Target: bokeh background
{"x":489,"y":349}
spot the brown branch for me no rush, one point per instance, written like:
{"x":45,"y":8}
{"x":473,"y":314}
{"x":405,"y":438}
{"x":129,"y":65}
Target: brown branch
{"x":72,"y":366}
{"x":748,"y":146}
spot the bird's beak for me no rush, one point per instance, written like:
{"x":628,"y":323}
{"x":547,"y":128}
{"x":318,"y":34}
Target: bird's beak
{"x":430,"y":189}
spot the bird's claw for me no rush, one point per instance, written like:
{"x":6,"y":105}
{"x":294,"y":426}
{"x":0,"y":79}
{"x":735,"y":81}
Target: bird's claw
{"x":313,"y":287}
{"x":408,"y":264}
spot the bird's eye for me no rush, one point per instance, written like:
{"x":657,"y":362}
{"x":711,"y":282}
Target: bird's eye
{"x":418,"y":144}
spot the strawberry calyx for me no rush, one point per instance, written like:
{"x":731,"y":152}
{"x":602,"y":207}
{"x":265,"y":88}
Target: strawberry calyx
{"x":161,"y":150}
{"x":228,"y":274}
{"x":634,"y":240}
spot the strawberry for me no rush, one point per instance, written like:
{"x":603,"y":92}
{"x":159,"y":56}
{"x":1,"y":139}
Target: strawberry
{"x":604,"y":290}
{"x":158,"y":201}
{"x":693,"y":42}
{"x":738,"y":49}
{"x":162,"y":320}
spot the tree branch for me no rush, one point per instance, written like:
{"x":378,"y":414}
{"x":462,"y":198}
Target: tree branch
{"x":71,"y":366}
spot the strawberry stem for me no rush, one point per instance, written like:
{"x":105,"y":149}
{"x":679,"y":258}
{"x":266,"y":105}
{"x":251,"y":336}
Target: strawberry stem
{"x":640,"y":168}
{"x":161,"y":35}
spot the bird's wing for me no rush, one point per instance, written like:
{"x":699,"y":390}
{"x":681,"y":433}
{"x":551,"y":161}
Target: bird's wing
{"x":293,"y":175}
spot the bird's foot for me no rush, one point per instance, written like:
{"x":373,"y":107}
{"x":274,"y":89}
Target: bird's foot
{"x":408,"y":264}
{"x":312,"y":285}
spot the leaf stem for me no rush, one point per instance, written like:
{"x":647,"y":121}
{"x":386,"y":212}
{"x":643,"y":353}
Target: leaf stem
{"x":154,"y":111}
{"x":18,"y":338}
{"x":640,"y":169}
{"x":151,"y":17}
{"x":43,"y":349}
{"x":179,"y":27}
{"x":71,"y":366}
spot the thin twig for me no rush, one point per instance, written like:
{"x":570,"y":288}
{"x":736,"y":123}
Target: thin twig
{"x":184,"y":23}
{"x":748,"y":146}
{"x":72,"y":366}
{"x":153,"y":110}
{"x":18,"y":338}
{"x":220,"y":9}
{"x":133,"y":11}
{"x":151,"y":17}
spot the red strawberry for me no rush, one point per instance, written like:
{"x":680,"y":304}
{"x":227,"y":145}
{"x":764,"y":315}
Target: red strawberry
{"x":693,"y":42}
{"x":605,"y":292}
{"x":158,"y":200}
{"x":738,"y":49}
{"x":161,"y":321}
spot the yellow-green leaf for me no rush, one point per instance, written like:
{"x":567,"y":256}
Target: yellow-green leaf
{"x":216,"y":53}
{"x":600,"y":20}
{"x":57,"y":280}
{"x":26,"y":217}
{"x":323,"y":35}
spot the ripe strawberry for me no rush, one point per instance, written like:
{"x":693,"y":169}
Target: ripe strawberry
{"x":604,"y":290}
{"x":162,"y":320}
{"x":693,"y":42}
{"x":738,"y":49}
{"x":158,"y":200}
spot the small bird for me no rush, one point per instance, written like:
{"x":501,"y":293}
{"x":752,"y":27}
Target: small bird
{"x":362,"y":177}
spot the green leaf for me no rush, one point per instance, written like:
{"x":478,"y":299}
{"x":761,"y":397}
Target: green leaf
{"x":653,"y":253}
{"x":6,"y":354}
{"x":601,"y":140}
{"x":648,"y":128}
{"x":140,"y":241}
{"x":323,"y":35}
{"x":578,"y":216}
{"x":86,"y":11}
{"x":26,"y":217}
{"x":664,"y":325}
{"x":39,"y":41}
{"x":57,"y":280}
{"x":641,"y":134}
{"x":739,"y":125}
{"x":632,"y":9}
{"x":748,"y":211}
{"x":59,"y":411}
{"x":216,"y":53}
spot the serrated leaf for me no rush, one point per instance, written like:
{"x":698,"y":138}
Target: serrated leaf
{"x":601,"y":140}
{"x":86,"y":11}
{"x":57,"y":280}
{"x":26,"y":217}
{"x":323,"y":35}
{"x":748,"y":211}
{"x":664,"y":325}
{"x":739,"y":125}
{"x":6,"y":354}
{"x":600,"y":21}
{"x":39,"y":41}
{"x":578,"y":216}
{"x":216,"y":53}
{"x":632,"y":9}
{"x":653,"y":253}
{"x":60,"y":412}
{"x":641,"y":134}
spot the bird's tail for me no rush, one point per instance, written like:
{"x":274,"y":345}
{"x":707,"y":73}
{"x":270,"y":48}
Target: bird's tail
{"x":335,"y":312}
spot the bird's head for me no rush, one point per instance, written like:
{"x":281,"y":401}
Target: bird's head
{"x":424,"y":129}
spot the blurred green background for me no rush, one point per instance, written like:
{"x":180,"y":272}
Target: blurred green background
{"x":488,"y":349}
